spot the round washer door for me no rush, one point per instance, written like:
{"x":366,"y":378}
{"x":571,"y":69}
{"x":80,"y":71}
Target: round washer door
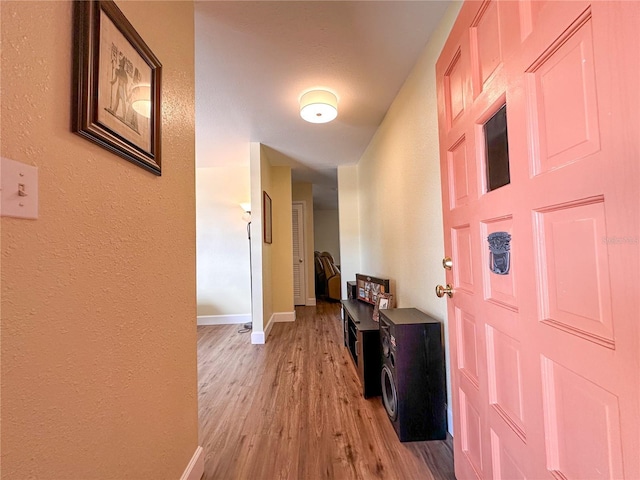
{"x":389,"y":393}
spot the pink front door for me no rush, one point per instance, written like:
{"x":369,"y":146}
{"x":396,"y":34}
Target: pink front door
{"x":545,"y":334}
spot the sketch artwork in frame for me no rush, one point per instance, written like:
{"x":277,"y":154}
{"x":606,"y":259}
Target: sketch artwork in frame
{"x":268,"y":219}
{"x":384,"y":301}
{"x":115,"y":70}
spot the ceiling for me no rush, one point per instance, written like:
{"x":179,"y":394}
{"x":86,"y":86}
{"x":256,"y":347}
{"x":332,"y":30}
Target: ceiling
{"x":255,"y":59}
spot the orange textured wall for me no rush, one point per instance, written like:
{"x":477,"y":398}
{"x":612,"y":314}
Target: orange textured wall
{"x":98,"y":294}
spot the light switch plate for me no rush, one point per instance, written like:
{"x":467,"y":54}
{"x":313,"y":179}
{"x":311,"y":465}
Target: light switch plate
{"x":19,"y":183}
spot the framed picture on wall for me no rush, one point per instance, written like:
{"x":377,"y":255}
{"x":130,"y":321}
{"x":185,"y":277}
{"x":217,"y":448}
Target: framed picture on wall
{"x":267,"y":218}
{"x":116,"y":85}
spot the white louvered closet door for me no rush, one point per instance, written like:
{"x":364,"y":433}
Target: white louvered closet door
{"x":299,"y":290}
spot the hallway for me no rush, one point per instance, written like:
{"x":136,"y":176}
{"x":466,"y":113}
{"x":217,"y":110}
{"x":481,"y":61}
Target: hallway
{"x":293,"y":409}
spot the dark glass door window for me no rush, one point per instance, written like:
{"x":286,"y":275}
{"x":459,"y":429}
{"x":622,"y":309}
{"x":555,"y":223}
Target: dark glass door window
{"x":497,"y":150}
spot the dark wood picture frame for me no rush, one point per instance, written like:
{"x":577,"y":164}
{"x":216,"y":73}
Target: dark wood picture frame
{"x":368,"y":288}
{"x":112,"y":64}
{"x":267,"y":218}
{"x":384,"y":301}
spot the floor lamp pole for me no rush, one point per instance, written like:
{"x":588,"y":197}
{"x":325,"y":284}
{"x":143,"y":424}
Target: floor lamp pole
{"x":249,"y":326}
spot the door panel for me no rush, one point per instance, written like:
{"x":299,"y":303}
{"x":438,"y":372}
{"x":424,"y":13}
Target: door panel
{"x":463,"y":266}
{"x":499,"y":289}
{"x":504,"y":462}
{"x":561,"y":93}
{"x":486,"y":44}
{"x":505,"y":377}
{"x":299,"y":274}
{"x":573,"y":272}
{"x":455,"y":87}
{"x":471,"y":434}
{"x":545,"y":357}
{"x":467,"y":341}
{"x":571,"y":453}
{"x":459,"y":174}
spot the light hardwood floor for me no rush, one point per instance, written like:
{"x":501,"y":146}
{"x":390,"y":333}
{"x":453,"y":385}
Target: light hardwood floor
{"x":293,"y":409}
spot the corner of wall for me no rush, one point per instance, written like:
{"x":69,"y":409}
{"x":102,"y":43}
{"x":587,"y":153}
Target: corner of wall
{"x":349,"y":224}
{"x":257,"y":297}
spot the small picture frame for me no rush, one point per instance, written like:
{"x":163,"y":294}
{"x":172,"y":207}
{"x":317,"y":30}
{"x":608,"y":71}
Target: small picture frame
{"x":384,"y":301}
{"x":116,"y":85}
{"x":267,"y":218}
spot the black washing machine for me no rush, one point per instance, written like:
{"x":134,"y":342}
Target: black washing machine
{"x":413,"y":374}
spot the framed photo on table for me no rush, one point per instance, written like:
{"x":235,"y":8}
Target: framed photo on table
{"x":116,"y":85}
{"x":384,"y":301}
{"x":368,"y":288}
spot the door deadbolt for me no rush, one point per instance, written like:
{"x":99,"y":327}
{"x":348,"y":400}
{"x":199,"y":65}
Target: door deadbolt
{"x":442,"y":291}
{"x":447,"y":263}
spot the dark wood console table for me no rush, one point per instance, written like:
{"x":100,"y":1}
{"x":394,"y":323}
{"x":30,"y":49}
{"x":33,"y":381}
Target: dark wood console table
{"x":362,"y":338}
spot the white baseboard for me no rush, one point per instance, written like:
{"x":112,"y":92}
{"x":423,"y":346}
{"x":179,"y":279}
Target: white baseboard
{"x":311,"y":302}
{"x":284,"y":317}
{"x":269,"y":326}
{"x":195,"y":469}
{"x":224,"y":319}
{"x":257,"y":338}
{"x":450,"y":420}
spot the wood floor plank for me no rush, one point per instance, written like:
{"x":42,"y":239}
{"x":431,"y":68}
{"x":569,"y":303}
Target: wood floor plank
{"x":293,"y":409}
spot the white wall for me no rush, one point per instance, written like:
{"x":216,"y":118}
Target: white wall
{"x":223,"y":280}
{"x":271,"y":264}
{"x":224,"y":269}
{"x":349,"y":224}
{"x":326,"y":232}
{"x":259,"y":258}
{"x":399,"y":195}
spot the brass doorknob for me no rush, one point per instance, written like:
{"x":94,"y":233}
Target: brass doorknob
{"x":447,"y":263}
{"x":441,"y":291}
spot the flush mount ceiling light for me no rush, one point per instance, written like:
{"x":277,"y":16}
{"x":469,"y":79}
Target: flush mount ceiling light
{"x":318,"y":106}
